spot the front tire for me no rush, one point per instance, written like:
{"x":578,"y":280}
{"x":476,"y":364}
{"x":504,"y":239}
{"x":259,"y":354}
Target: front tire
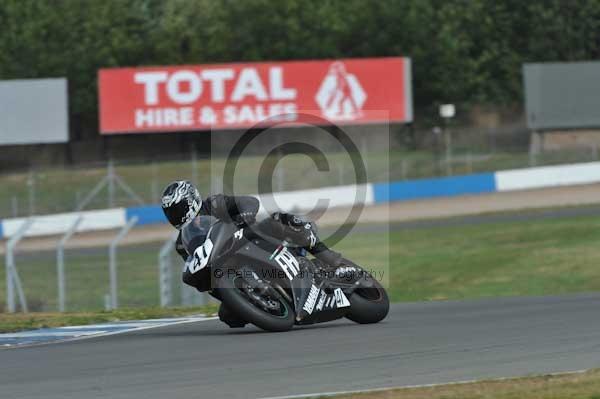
{"x":369,"y":304}
{"x":239,"y":302}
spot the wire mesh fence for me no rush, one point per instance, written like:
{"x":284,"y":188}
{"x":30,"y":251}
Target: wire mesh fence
{"x":87,"y":281}
{"x":64,"y":190}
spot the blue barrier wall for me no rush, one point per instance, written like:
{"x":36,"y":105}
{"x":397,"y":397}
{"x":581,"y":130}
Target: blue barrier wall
{"x":438,"y":187}
{"x":147,"y":214}
{"x":548,"y":176}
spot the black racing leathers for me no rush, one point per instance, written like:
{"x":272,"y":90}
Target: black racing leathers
{"x":242,"y":210}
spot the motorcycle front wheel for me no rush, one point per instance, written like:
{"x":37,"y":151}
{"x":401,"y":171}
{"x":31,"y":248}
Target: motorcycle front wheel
{"x":369,"y":303}
{"x":268,"y":310}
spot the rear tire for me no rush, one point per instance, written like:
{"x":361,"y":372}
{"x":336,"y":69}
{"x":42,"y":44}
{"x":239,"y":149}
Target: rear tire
{"x":369,"y":305}
{"x":240,"y":304}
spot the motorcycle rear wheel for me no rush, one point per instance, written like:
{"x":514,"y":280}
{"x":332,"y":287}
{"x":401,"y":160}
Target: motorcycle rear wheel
{"x":240,"y":302}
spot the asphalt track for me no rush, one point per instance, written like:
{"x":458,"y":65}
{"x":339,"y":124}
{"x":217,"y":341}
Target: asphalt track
{"x":419,"y":343}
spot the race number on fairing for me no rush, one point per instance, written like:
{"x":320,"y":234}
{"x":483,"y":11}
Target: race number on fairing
{"x":201,"y":256}
{"x":288,"y":263}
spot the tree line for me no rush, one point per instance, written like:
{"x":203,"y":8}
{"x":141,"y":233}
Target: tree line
{"x":463,"y":51}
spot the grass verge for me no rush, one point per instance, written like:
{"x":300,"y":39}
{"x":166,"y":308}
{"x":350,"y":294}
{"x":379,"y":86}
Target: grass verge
{"x":517,"y":258}
{"x":19,"y":321}
{"x":563,"y":386}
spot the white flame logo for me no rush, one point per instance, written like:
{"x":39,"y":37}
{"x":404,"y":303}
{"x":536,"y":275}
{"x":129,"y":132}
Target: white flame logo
{"x":340,"y":96}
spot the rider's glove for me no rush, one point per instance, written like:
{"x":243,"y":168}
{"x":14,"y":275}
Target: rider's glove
{"x":180,"y":248}
{"x":245,"y":219}
{"x":294,"y":222}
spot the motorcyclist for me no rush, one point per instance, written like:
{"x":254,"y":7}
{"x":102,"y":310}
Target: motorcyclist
{"x":181,"y":203}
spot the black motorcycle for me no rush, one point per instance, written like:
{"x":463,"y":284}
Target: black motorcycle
{"x":272,"y":284}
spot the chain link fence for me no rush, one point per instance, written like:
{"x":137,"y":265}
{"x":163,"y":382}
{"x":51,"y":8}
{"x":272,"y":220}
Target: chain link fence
{"x":130,"y":184}
{"x":87,"y":279}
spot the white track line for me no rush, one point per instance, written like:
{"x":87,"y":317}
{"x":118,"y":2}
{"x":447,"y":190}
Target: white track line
{"x":337,"y":393}
{"x":106,"y":334}
{"x":105,"y":326}
{"x":31,"y":334}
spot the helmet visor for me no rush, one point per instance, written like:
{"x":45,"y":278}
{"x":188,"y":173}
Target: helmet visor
{"x":177,"y":214}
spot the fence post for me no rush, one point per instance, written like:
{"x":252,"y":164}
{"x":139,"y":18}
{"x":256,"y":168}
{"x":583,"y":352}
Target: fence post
{"x":31,"y":189}
{"x":164,"y":272}
{"x":449,"y":160}
{"x":154,"y":187}
{"x":60,"y":263}
{"x":194,"y":165}
{"x":112,"y":259}
{"x":470,"y":162}
{"x":111,"y":183}
{"x":404,"y":168}
{"x":12,"y":276}
{"x":535,"y":147}
{"x":15,"y":206}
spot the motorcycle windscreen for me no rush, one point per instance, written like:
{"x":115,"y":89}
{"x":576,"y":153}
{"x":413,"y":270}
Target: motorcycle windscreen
{"x":194,"y":234}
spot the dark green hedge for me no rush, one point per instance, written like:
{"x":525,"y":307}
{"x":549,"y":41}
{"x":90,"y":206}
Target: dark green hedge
{"x":466,"y":51}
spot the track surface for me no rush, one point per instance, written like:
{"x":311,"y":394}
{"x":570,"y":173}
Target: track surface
{"x":419,"y":343}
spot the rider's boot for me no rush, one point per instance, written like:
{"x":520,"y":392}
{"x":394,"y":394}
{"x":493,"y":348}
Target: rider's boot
{"x":229,"y":318}
{"x":303,"y":230}
{"x":324,"y":254}
{"x":226,"y":315}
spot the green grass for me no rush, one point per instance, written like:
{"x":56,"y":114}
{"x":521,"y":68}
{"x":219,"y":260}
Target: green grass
{"x":544,"y":257}
{"x":19,"y":321}
{"x":501,"y":259}
{"x":567,"y":386}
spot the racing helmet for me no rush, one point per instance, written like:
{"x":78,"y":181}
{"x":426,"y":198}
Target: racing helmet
{"x":181,"y":202}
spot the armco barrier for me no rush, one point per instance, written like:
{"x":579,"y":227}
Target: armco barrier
{"x":303,"y":200}
{"x":59,"y":223}
{"x":548,"y":176}
{"x":150,"y":214}
{"x":430,"y":188}
{"x":521,"y":179}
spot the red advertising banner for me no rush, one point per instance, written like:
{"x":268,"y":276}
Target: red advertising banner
{"x":228,"y":96}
